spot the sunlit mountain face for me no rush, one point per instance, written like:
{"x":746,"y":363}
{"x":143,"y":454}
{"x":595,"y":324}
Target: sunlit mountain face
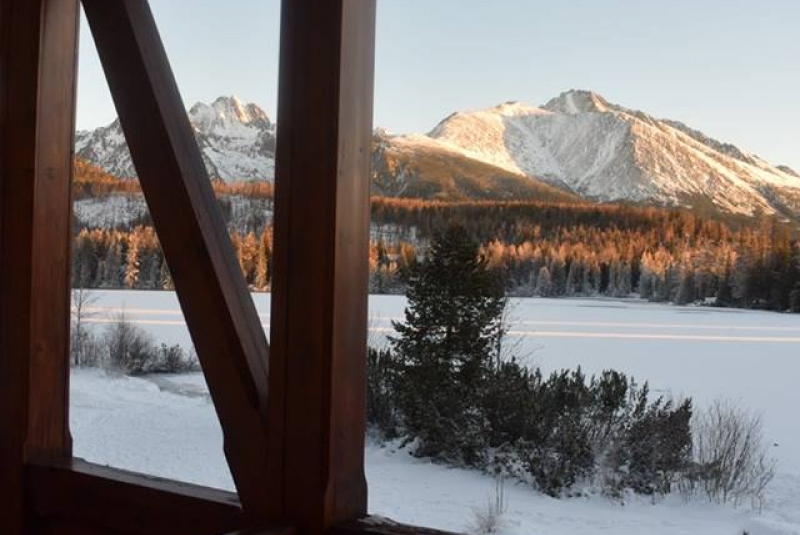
{"x":578,"y":146}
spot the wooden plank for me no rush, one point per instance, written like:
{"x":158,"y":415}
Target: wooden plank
{"x":61,"y":526}
{"x":76,"y":493}
{"x":319,"y":291}
{"x":38,"y":57}
{"x":275,"y":530}
{"x":219,"y":311}
{"x":382,"y":526}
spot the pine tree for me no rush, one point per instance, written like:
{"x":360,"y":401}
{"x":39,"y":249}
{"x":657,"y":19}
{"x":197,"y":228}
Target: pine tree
{"x":448,"y":345}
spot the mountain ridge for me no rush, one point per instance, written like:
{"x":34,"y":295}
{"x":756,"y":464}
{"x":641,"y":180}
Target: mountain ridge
{"x":236,"y":140}
{"x":583,"y":143}
{"x":576,"y":146}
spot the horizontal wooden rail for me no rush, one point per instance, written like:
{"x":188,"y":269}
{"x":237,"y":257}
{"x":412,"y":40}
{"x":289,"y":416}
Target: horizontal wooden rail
{"x":96,"y":499}
{"x":275,"y":530}
{"x":382,"y":526}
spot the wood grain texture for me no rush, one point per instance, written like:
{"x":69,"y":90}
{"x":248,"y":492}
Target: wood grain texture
{"x":106,"y":500}
{"x":38,"y":56}
{"x":225,"y":328}
{"x":275,"y":530}
{"x":319,"y":291}
{"x":382,"y":526}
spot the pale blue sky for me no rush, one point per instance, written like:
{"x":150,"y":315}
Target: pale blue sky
{"x":728,"y":67}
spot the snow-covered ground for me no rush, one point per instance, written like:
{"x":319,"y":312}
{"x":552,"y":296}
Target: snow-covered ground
{"x":167,"y":426}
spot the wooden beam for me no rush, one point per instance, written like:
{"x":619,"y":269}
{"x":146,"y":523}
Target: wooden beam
{"x":319,"y":291}
{"x":276,"y":530}
{"x":90,"y":497}
{"x":38,"y":57}
{"x":382,"y":526}
{"x":62,"y":526}
{"x":219,"y":311}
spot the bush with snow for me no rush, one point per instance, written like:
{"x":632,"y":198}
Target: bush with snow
{"x":126,"y":348}
{"x":732,"y":463}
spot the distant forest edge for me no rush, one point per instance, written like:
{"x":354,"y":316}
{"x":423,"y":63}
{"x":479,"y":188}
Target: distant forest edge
{"x":544,"y":248}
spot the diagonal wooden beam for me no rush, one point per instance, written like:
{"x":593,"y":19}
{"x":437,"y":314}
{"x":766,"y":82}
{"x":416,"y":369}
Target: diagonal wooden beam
{"x":319,"y":291}
{"x":38,"y":56}
{"x":220,"y":314}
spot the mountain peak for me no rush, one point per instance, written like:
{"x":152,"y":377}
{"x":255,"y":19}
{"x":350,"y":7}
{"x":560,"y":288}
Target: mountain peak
{"x":577,"y":101}
{"x":236,"y":141}
{"x":226,"y":110}
{"x":514,"y":108}
{"x":582,"y":143}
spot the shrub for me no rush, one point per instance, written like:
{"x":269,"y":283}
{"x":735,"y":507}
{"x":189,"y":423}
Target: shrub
{"x":489,"y":519}
{"x":85,"y":348}
{"x":656,"y":449}
{"x":558,"y":453}
{"x":130,"y":349}
{"x":173,"y":359}
{"x":732,"y":463}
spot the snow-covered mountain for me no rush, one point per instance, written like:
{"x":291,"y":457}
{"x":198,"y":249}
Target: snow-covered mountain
{"x":577,"y":145}
{"x":580,"y":142}
{"x":237,"y":141}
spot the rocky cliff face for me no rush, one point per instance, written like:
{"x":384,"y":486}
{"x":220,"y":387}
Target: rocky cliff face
{"x":237,"y":142}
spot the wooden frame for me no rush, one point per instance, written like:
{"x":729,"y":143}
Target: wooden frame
{"x":292,"y":415}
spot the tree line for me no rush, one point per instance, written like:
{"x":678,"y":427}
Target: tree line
{"x":547,"y":249}
{"x":553,"y":250}
{"x":90,"y":181}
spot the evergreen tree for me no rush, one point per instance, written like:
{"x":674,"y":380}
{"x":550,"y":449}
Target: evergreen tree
{"x":544,"y":283}
{"x":448,"y":345}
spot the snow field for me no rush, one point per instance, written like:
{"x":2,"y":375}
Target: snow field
{"x":166,"y":425}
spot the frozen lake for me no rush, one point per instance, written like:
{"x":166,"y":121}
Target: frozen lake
{"x":706,"y":353}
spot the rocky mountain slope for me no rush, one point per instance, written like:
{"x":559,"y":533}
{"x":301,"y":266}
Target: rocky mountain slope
{"x":237,"y":141}
{"x":583,"y":144}
{"x":576,"y":146}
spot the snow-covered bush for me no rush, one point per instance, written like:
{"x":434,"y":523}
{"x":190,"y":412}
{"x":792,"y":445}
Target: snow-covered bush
{"x":557,"y":432}
{"x":557,"y":451}
{"x":174,"y":359}
{"x":732,"y":460}
{"x":131,"y":350}
{"x":656,"y":447}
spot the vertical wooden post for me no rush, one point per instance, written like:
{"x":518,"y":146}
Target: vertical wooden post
{"x":38,"y":59}
{"x":319,"y":292}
